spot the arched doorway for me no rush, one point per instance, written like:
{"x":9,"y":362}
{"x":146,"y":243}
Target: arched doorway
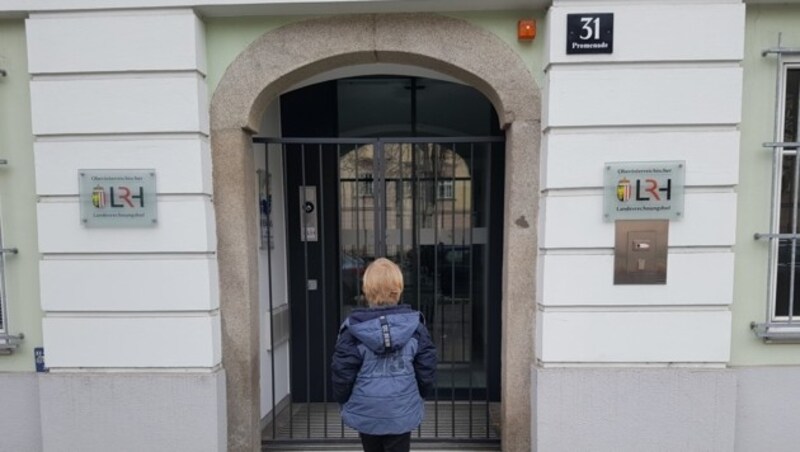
{"x":404,"y":167}
{"x":281,"y":58}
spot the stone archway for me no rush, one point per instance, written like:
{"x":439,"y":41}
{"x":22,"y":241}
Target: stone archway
{"x":285,"y":56}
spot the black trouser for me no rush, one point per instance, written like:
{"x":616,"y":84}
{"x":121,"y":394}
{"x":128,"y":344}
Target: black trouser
{"x":386,"y":443}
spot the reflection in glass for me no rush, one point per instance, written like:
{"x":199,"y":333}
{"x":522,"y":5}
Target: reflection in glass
{"x":435,"y":230}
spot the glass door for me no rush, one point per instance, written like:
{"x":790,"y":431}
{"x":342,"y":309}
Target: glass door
{"x":424,"y":204}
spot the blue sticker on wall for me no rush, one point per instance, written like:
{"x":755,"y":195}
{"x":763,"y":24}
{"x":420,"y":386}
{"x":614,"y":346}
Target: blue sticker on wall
{"x":38,"y":354}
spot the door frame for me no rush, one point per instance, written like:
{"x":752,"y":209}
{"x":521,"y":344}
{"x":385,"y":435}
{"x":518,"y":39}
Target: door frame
{"x":283,"y":57}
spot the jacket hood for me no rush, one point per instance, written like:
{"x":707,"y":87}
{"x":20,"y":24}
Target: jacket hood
{"x":398,"y":322}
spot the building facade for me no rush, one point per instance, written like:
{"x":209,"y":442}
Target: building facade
{"x":289,"y":143}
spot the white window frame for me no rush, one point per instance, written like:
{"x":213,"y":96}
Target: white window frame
{"x":776,"y":194}
{"x":779,"y":329}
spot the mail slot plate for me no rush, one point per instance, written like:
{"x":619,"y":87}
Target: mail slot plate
{"x":640,"y":251}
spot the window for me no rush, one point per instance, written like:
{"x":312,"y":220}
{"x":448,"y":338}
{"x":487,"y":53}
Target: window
{"x":783,"y":317}
{"x":787,"y":262}
{"x":366,"y":185}
{"x":445,"y":189}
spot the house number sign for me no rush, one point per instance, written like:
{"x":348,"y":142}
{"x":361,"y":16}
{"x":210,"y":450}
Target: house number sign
{"x":590,"y":33}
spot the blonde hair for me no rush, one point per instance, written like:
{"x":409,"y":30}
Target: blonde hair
{"x":383,"y":283}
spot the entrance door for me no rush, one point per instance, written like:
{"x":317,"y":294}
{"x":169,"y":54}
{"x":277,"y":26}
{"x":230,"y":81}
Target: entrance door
{"x":426,"y":204}
{"x":430,"y":204}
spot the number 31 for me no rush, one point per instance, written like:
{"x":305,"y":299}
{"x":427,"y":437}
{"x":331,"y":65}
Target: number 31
{"x":590,"y":33}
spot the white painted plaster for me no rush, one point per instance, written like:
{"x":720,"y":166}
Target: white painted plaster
{"x":162,"y":103}
{"x":182,"y":163}
{"x":635,"y":336}
{"x":60,"y":44}
{"x":693,"y":278}
{"x":657,"y":31}
{"x":185,"y":224}
{"x":576,"y":221}
{"x":132,"y":341}
{"x":608,"y":95}
{"x":575,"y":158}
{"x":149,"y":284}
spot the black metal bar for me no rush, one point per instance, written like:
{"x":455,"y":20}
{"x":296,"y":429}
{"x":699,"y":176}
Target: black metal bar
{"x":401,"y":201}
{"x":284,"y":445}
{"x":415,"y":218}
{"x":414,"y":90}
{"x":357,"y":229}
{"x":471,"y":225}
{"x":270,"y":294}
{"x":313,"y":140}
{"x":305,"y":282}
{"x":289,"y":292}
{"x":323,"y":264}
{"x":453,"y":290}
{"x":413,"y":140}
{"x":340,"y":194}
{"x":443,"y":140}
{"x":486,"y":247}
{"x":423,"y":179}
{"x":439,"y":321}
{"x":379,"y":200}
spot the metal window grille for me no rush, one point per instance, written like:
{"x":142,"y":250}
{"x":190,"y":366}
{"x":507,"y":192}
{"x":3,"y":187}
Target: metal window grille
{"x":783,"y":309}
{"x":3,"y":309}
{"x":8,"y":343}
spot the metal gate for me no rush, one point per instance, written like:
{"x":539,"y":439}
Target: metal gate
{"x":431,"y":205}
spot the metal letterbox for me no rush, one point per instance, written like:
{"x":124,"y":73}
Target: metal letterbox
{"x":640,"y":251}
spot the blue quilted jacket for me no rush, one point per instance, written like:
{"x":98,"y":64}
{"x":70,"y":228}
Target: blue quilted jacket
{"x":383,"y":366}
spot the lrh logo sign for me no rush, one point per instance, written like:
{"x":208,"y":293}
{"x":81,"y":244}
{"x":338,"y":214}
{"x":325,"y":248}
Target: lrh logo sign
{"x":646,"y":190}
{"x":643,"y":191}
{"x":123,"y":196}
{"x":118,"y":198}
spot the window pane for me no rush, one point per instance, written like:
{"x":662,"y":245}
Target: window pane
{"x":451,"y":109}
{"x":374,"y":107}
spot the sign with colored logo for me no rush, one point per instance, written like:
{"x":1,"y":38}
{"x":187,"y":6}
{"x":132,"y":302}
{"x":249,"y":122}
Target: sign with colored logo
{"x":118,"y":198}
{"x":643,"y":191}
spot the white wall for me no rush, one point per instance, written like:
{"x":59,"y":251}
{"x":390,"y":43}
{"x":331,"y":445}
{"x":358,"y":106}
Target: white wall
{"x":672,"y":90}
{"x":124,"y":90}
